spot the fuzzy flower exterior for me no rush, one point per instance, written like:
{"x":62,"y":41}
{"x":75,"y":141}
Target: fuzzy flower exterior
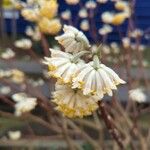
{"x":47,"y":26}
{"x":83,"y":13}
{"x":73,"y":40}
{"x":23,"y":44}
{"x":23,"y":103}
{"x":49,"y":9}
{"x":66,"y":15}
{"x":14,"y":135}
{"x":61,"y":66}
{"x":114,"y":19}
{"x":84,"y":25}
{"x":137,"y":95}
{"x":72,"y":103}
{"x":97,"y":81}
{"x":30,"y":14}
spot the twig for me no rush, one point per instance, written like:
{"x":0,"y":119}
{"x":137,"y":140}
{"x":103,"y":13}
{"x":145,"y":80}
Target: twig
{"x":112,"y":130}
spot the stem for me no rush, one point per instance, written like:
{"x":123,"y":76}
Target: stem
{"x":45,"y":45}
{"x":112,"y":130}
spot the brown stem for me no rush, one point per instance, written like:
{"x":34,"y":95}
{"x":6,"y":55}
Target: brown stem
{"x":45,"y":45}
{"x":112,"y":130}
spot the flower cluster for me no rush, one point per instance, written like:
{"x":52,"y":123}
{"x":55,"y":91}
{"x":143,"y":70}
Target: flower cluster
{"x":42,"y":12}
{"x":120,"y":17}
{"x":81,"y":83}
{"x":24,"y":103}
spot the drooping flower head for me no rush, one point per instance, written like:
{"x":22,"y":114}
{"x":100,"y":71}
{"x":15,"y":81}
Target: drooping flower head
{"x":72,"y":103}
{"x":62,"y":65}
{"x":24,"y":103}
{"x":80,"y":84}
{"x":73,"y":40}
{"x":137,"y":95}
{"x":96,"y":79}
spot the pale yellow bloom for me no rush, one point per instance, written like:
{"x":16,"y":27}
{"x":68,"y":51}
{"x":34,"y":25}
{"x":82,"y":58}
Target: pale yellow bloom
{"x":97,"y":80}
{"x":115,"y":47}
{"x":83,"y":13}
{"x":84,"y":25}
{"x":5,"y":90}
{"x":24,"y":103}
{"x":90,"y":4}
{"x":126,"y":42}
{"x":49,"y":26}
{"x":23,"y":44}
{"x":121,"y":5}
{"x":30,"y":14}
{"x":72,"y":2}
{"x":73,"y":40}
{"x":14,"y":135}
{"x":102,"y":1}
{"x":33,"y":33}
{"x":105,"y":29}
{"x":119,"y":18}
{"x":115,"y":19}
{"x":17,"y":76}
{"x":136,"y":33}
{"x":62,"y":66}
{"x":107,"y":17}
{"x":49,"y":9}
{"x":72,"y":103}
{"x":66,"y":15}
{"x":9,"y":53}
{"x":137,"y":95}
{"x":17,"y":4}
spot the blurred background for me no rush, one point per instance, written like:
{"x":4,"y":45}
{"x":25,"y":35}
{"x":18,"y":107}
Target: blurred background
{"x":123,"y":29}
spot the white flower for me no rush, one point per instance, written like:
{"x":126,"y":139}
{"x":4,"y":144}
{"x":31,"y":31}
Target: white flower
{"x":105,"y":29}
{"x":136,"y":33}
{"x":5,"y":73}
{"x":126,"y":42}
{"x":14,"y":135}
{"x":107,"y":17}
{"x":83,"y":13}
{"x":72,"y":103}
{"x":36,"y":83}
{"x":29,"y":31}
{"x":106,"y":49}
{"x":90,"y":4}
{"x":96,"y":80}
{"x":66,"y":15}
{"x":9,"y":53}
{"x":121,"y":5}
{"x":72,"y":2}
{"x":115,"y":47}
{"x":23,"y":44}
{"x":62,"y":66}
{"x":23,"y":103}
{"x":137,"y":95}
{"x":73,"y":40}
{"x":33,"y":33}
{"x":84,"y":25}
{"x":102,"y":1}
{"x":5,"y":90}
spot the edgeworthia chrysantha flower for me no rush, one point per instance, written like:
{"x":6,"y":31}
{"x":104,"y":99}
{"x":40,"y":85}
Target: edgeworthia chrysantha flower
{"x":96,"y":79}
{"x":62,"y":65}
{"x":73,"y":40}
{"x":24,"y":103}
{"x":72,"y":102}
{"x":81,"y":82}
{"x":137,"y":95}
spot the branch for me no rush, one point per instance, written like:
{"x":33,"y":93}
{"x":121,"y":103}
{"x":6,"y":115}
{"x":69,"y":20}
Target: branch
{"x":111,"y":128}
